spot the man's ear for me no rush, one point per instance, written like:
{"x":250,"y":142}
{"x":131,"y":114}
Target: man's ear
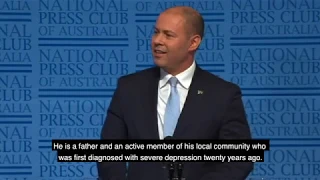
{"x":195,"y":42}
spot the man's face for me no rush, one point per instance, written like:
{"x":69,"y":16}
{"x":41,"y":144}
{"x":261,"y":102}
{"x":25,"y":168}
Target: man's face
{"x":170,"y":41}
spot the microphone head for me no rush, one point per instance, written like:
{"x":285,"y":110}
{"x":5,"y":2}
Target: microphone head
{"x":180,"y":165}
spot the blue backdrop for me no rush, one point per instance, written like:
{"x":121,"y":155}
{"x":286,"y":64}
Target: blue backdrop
{"x":60,"y":60}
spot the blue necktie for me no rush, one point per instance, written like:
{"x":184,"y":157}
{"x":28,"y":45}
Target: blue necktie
{"x":172,"y":112}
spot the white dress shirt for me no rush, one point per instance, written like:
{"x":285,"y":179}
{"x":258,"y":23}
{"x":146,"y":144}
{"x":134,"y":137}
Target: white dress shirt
{"x":184,"y":81}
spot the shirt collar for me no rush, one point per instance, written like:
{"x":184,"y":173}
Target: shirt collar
{"x":184,"y":77}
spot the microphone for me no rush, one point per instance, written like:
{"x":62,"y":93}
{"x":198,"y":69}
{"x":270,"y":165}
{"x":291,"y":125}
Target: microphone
{"x":180,"y":169}
{"x":175,"y":170}
{"x":170,"y":165}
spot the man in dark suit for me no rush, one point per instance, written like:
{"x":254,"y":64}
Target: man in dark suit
{"x":176,"y":98}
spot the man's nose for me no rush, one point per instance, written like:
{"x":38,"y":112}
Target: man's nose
{"x":158,"y":38}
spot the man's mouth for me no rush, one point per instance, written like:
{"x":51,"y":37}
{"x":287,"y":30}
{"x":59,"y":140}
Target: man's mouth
{"x":157,"y":51}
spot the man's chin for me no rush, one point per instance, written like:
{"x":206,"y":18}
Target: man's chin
{"x":160,"y":62}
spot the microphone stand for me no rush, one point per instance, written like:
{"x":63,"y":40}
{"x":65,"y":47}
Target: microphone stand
{"x":175,"y":170}
{"x":180,"y":169}
{"x":171,"y":171}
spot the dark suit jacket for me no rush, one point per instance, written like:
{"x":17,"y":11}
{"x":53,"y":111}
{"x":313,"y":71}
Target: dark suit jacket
{"x":218,"y":113}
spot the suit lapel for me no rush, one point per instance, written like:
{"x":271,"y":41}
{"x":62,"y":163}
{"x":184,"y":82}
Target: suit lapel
{"x":191,"y":106}
{"x":150,"y":120}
